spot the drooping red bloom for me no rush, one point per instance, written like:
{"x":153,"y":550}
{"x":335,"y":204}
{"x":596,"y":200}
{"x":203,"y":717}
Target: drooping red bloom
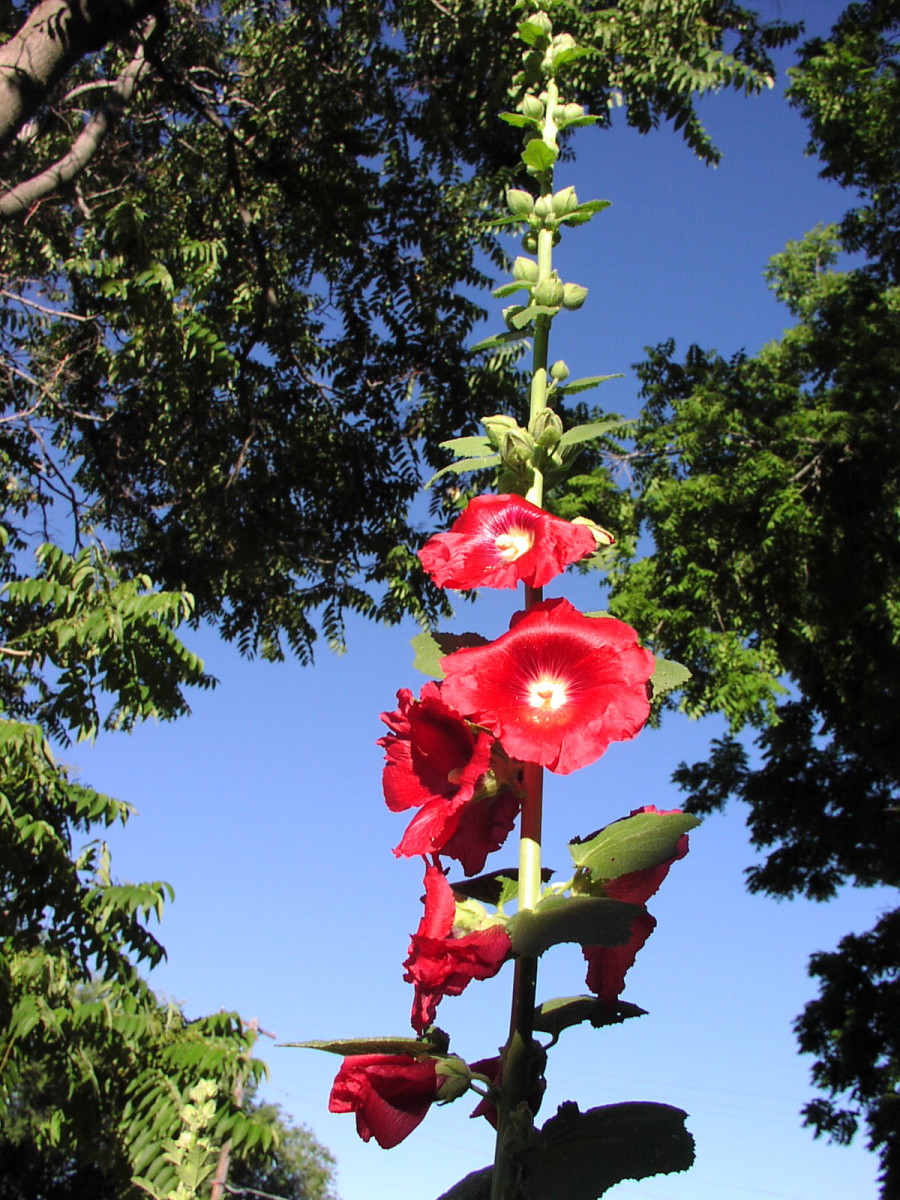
{"x":500,"y":541}
{"x":493,"y":1069}
{"x":441,"y":963}
{"x":390,"y":1094}
{"x":461,"y":782}
{"x":557,"y":688}
{"x":608,"y":965}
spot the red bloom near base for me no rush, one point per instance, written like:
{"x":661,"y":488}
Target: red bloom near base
{"x":500,"y":541}
{"x":556,"y":689}
{"x":440,"y":964}
{"x":390,"y":1094}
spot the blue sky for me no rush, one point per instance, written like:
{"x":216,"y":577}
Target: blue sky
{"x":264,"y":808}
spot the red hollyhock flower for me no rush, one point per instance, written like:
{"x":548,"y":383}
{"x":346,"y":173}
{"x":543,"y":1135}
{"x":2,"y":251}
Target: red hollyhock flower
{"x":493,"y":1069}
{"x":556,"y":689}
{"x":441,"y":964}
{"x":501,"y":540}
{"x":441,"y":764}
{"x":608,"y":965}
{"x":390,"y":1094}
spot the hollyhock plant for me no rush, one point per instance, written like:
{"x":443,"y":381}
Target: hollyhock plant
{"x":390,"y":1094}
{"x":557,"y":688}
{"x":441,"y":963}
{"x":501,"y":541}
{"x":458,"y":777}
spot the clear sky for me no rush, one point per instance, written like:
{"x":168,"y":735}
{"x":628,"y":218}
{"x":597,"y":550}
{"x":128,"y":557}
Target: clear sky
{"x":264,"y":809}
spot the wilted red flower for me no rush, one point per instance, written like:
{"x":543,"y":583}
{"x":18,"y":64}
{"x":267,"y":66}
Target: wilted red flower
{"x":501,"y":540}
{"x":454,"y":773}
{"x":390,"y":1094}
{"x":556,"y":689}
{"x":442,"y":964}
{"x":492,"y":1068}
{"x":608,"y":965}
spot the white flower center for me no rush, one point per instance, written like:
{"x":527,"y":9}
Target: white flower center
{"x":547,"y":694}
{"x":514,"y":543}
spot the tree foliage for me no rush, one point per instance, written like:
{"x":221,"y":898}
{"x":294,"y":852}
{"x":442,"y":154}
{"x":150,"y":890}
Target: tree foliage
{"x":227,"y":335}
{"x":771,"y":487}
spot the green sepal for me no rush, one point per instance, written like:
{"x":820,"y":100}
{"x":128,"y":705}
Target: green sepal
{"x":587,"y":920}
{"x":584,"y":384}
{"x":496,"y":340}
{"x":553,"y":1016}
{"x":538,"y":156}
{"x":632,"y":844}
{"x":497,"y":887}
{"x":466,"y":464}
{"x":520,"y":120}
{"x":583,"y":213}
{"x":349,"y":1047}
{"x":430,"y":648}
{"x":667,"y":676}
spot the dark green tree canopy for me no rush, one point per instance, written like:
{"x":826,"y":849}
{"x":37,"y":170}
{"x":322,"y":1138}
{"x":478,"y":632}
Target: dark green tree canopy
{"x":230,"y":326}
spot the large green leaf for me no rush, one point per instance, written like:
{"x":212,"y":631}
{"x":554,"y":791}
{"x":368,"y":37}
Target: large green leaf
{"x":348,"y":1047}
{"x":553,"y":1016}
{"x":587,"y":920}
{"x":632,"y":844}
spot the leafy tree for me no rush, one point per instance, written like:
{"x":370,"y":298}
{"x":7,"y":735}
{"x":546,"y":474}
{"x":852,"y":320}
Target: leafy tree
{"x":92,"y":1066}
{"x":234,"y":315}
{"x":771,"y":487}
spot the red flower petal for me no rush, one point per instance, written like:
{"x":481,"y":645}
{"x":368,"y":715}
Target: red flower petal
{"x":390,"y":1094}
{"x":440,"y":964}
{"x":556,"y":689}
{"x":608,"y":965}
{"x":501,"y":540}
{"x":431,"y":752}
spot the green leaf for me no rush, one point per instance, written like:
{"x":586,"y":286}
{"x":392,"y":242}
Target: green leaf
{"x":583,"y":385}
{"x":667,"y":676}
{"x":586,"y":433}
{"x":580,"y":1156}
{"x":430,"y":648}
{"x":380,"y":1045}
{"x":553,"y":1016}
{"x":496,"y":340}
{"x":587,"y":920}
{"x":532,"y":34}
{"x":539,"y":156}
{"x":467,"y":464}
{"x":632,"y":844}
{"x":467,"y":447}
{"x":497,"y":887}
{"x":520,"y":120}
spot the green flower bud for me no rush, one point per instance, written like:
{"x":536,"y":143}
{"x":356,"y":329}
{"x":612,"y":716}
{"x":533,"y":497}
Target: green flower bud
{"x":571,"y":112}
{"x":564,"y":202}
{"x":525,"y":270}
{"x":543,"y":206}
{"x":530,"y":242}
{"x":516,"y":448}
{"x":549,"y":292}
{"x":495,"y":427}
{"x":573,"y":295}
{"x":546,"y":428}
{"x":532,"y":107}
{"x":559,"y":372}
{"x":456,"y":1078}
{"x":542,"y":21}
{"x":520,"y":203}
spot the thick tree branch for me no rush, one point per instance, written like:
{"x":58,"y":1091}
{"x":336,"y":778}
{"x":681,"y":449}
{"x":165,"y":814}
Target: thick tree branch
{"x":20,"y":198}
{"x":56,"y":35}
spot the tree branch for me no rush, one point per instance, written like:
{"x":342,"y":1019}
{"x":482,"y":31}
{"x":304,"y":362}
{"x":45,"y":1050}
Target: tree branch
{"x":20,"y":198}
